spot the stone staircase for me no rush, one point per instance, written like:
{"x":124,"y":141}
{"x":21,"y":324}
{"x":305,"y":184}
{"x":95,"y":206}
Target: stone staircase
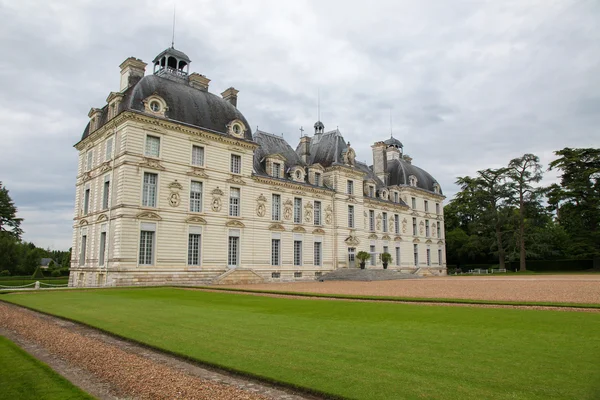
{"x":356,"y":274}
{"x":238,"y":276}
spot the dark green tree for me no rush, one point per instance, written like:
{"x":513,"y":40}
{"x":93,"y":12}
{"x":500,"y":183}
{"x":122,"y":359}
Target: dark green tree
{"x":9,"y":223}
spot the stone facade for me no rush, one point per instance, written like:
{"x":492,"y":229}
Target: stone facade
{"x":161,"y":199}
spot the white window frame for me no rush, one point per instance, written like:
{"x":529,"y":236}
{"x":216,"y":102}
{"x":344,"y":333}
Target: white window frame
{"x":428,"y":256}
{"x":413,"y":203}
{"x":236,"y":164}
{"x":90,"y":160}
{"x":146,"y":254}
{"x":276,"y":170}
{"x":149,"y":190}
{"x":416,"y":254}
{"x":439,"y":230}
{"x":276,"y":207}
{"x":83,"y":248}
{"x":297,"y":210}
{"x":149,"y":150}
{"x":297,"y":252}
{"x":373,"y":252}
{"x":108,"y":149}
{"x":235,"y":201}
{"x":398,"y":254}
{"x":372,"y":220}
{"x":233,"y":254}
{"x":415,"y":227}
{"x":87,"y":198}
{"x":106,"y":193}
{"x":350,"y":186}
{"x":318,"y":253}
{"x":439,"y":256}
{"x":397,"y":224}
{"x":198,"y":154}
{"x":196,"y":197}
{"x":427,"y":228}
{"x":317,"y":179}
{"x":102,"y":246}
{"x":350,"y":216}
{"x":385,"y":221}
{"x":317,"y":213}
{"x":276,"y":250}
{"x":194,"y":246}
{"x":426,"y":205}
{"x":437,"y":208}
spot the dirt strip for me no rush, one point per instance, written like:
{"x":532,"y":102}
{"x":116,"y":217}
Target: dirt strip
{"x":110,"y":368}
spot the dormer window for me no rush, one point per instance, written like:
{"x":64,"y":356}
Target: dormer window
{"x":412,"y":180}
{"x":436,"y":188}
{"x":396,"y":197}
{"x":297,"y":174}
{"x":317,"y":179}
{"x":371,"y":191}
{"x":236,"y":128}
{"x":155,"y":105}
{"x":276,"y":170}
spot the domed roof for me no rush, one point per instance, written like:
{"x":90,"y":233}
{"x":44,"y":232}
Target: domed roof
{"x":400,"y":171}
{"x":186,"y":104}
{"x":171,"y":51}
{"x":393,"y":142}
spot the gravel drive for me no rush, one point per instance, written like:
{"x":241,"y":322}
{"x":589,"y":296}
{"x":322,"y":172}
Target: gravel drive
{"x":110,"y":368}
{"x":552,"y":288}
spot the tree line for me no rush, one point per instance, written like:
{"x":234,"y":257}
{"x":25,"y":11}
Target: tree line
{"x":502,"y":214}
{"x":18,"y":257}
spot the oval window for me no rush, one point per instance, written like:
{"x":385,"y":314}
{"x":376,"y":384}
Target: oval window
{"x":155,"y":106}
{"x":237,"y":129}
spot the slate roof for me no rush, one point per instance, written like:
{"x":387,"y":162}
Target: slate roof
{"x":44,"y":262}
{"x":393,"y":142}
{"x":400,"y":170}
{"x":186,"y":104}
{"x":326,"y":148}
{"x":273,"y":144}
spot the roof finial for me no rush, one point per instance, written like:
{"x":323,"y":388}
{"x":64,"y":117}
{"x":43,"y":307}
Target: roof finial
{"x":318,"y":104}
{"x":391,"y":131}
{"x":301,"y":131}
{"x":173,"y":37}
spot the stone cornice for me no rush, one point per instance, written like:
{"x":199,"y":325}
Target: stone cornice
{"x":293,"y":185}
{"x":346,"y":170}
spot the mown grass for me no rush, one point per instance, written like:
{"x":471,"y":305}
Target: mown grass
{"x":355,"y":349}
{"x":21,"y":282}
{"x":24,"y":377}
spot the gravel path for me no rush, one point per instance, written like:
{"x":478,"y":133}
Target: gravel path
{"x":110,"y":368}
{"x":552,"y":288}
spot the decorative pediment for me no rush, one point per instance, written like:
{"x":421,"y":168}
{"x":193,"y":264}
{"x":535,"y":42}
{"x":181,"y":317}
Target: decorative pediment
{"x":151,"y":163}
{"x":196,"y":220}
{"x":352,"y":241}
{"x":276,"y":227}
{"x":275,"y":156}
{"x":217,"y":192}
{"x":308,"y":205}
{"x":276,"y":189}
{"x":148,"y":215}
{"x":83,"y":222}
{"x":318,"y":231}
{"x":299,"y":229}
{"x":386,"y":237}
{"x":373,"y":236}
{"x":199,"y":172}
{"x":234,"y":224}
{"x":86,"y":176}
{"x":428,"y":241}
{"x":175,"y":185}
{"x":299,"y":192}
{"x":352,"y":199}
{"x":288,"y":202}
{"x":440,"y":242}
{"x":416,"y":214}
{"x":236,"y":180}
{"x":317,"y":166}
{"x":261,"y":199}
{"x":105,"y":166}
{"x":415,"y":240}
{"x":328,"y":208}
{"x":398,"y":238}
{"x":102,"y":217}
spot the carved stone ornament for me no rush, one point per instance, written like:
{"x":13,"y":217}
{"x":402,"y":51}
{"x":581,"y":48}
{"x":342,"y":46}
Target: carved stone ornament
{"x":352,"y":199}
{"x":378,"y":222}
{"x":349,"y":155}
{"x":352,"y":241}
{"x":261,"y":199}
{"x":217,"y":192}
{"x":83,"y":222}
{"x":373,"y":236}
{"x":148,"y":215}
{"x":86,"y":176}
{"x":102,"y":217}
{"x":428,"y":241}
{"x":174,"y":199}
{"x":196,"y":220}
{"x":386,"y":237}
{"x":234,"y":224}
{"x":328,"y":218}
{"x":404,"y":222}
{"x":318,"y":231}
{"x":398,"y":238}
{"x":287,"y":213}
{"x":105,"y":166}
{"x":151,"y":163}
{"x":422,"y":228}
{"x":261,"y":210}
{"x":216,"y":204}
{"x":392,"y":221}
{"x":415,"y":240}
{"x":307,"y":215}
{"x":299,"y":229}
{"x":433,"y":229}
{"x":276,"y":227}
{"x":198,"y":172}
{"x":236,"y":180}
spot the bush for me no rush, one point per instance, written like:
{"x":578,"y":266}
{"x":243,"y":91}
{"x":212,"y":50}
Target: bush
{"x":5,"y":273}
{"x":38,"y":274}
{"x":554,"y":265}
{"x":65,"y":271}
{"x":56,"y":273}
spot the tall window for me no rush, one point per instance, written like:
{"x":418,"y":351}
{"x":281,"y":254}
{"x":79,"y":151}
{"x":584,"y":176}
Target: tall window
{"x":194,"y":245}
{"x":149,"y":190}
{"x":90,"y":160}
{"x":396,"y":197}
{"x":83,"y":250}
{"x":397,"y":224}
{"x":198,"y":155}
{"x":152,"y":146}
{"x":439,"y":256}
{"x":317,"y":213}
{"x":371,"y":191}
{"x":234,"y":202}
{"x":297,"y":252}
{"x":350,"y":187}
{"x":275,"y":252}
{"x":109,"y":149}
{"x":413,"y":203}
{"x":350,"y":216}
{"x":373,"y":254}
{"x":439,"y":230}
{"x":276,"y":208}
{"x":385,"y":222}
{"x":102,"y":248}
{"x":427,"y":228}
{"x":437,"y":208}
{"x":414,"y":226}
{"x":318,"y":254}
{"x":317,"y":179}
{"x":86,"y":201}
{"x":276,"y":170}
{"x":386,"y":249}
{"x":146,"y":247}
{"x":196,"y":196}
{"x":428,"y":256}
{"x":233,"y":251}
{"x":416,"y":254}
{"x":371,"y":220}
{"x":297,"y":210}
{"x":236,"y":163}
{"x":398,"y":256}
{"x":426,"y":205}
{"x":105,"y":194}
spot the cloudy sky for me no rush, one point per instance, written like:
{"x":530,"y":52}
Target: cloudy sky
{"x":470,"y":84}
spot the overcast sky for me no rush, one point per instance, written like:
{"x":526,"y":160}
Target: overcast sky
{"x":470,"y":84}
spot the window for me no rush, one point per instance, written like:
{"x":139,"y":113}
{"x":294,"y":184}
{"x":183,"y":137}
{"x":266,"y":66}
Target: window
{"x":194,"y":243}
{"x":297,"y":274}
{"x":275,"y":275}
{"x":428,"y":256}
{"x":146,"y":247}
{"x":317,"y":179}
{"x":385,"y":222}
{"x":83,"y":250}
{"x":234,"y":202}
{"x":149,"y":190}
{"x":396,"y":197}
{"x":197,"y":155}
{"x":102,"y":248}
{"x":439,"y":230}
{"x":105,"y":193}
{"x":398,"y":256}
{"x":109,"y":149}
{"x":414,"y":203}
{"x":297,"y":252}
{"x":426,"y":205}
{"x":155,"y":106}
{"x":350,"y":216}
{"x":297,"y":210}
{"x":196,"y":196}
{"x":437,"y":208}
{"x":276,"y":170}
{"x":427,"y":228}
{"x":317,"y":254}
{"x":276,"y":208}
{"x":276,"y":252}
{"x":371,"y":191}
{"x":416,"y":254}
{"x":317,"y":213}
{"x":350,"y":187}
{"x":414,"y":226}
{"x":90,"y":160}
{"x":397,"y":224}
{"x":233,"y":249}
{"x":236,"y":163}
{"x":372,"y":251}
{"x":439,"y":256}
{"x":152,"y":146}
{"x":86,"y":201}
{"x":371,"y":220}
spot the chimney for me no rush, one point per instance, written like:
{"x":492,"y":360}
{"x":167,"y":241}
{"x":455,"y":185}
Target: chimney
{"x":230,"y":95}
{"x":132,"y":70}
{"x":407,"y":158}
{"x":380,"y":161}
{"x":199,"y":81}
{"x":304,"y":148}
{"x":393,"y":153}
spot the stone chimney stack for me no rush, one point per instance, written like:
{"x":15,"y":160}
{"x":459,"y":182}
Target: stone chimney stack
{"x":407,"y":158}
{"x":230,"y":95}
{"x":304,"y":148}
{"x":132,"y":70}
{"x":393,"y":153}
{"x":380,"y":161}
{"x":199,"y":81}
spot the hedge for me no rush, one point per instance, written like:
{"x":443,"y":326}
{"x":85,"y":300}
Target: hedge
{"x":554,"y":265}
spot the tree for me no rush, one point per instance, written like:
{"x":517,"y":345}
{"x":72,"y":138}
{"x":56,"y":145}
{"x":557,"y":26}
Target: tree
{"x":523,"y":172}
{"x":9,"y":223}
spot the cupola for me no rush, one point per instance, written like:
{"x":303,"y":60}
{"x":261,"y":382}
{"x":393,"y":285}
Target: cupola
{"x":319,"y":127}
{"x":172,"y":62}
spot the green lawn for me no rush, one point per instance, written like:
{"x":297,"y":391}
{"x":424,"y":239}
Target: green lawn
{"x":23,"y":377}
{"x":20,"y":282}
{"x":357,"y":350}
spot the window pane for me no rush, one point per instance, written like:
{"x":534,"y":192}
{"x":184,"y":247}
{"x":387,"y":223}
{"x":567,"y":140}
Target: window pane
{"x":146,"y":247}
{"x":317,"y":213}
{"x":197,"y":155}
{"x":297,"y":210}
{"x":232,"y":253}
{"x":196,"y":196}
{"x":276,"y":208}
{"x":372,"y":251}
{"x":398,"y":256}
{"x":102,"y":248}
{"x":317,"y":253}
{"x":86,"y":201}
{"x":236,"y":162}
{"x":194,"y":242}
{"x":105,"y":195}
{"x":83,"y":250}
{"x":350,"y":216}
{"x":152,"y":146}
{"x":385,"y":222}
{"x":234,"y":202}
{"x":297,"y":252}
{"x":275,"y":252}
{"x":109,"y":149}
{"x":149,"y":190}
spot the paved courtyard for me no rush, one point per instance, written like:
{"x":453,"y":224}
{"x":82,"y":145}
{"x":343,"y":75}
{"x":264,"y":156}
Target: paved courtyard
{"x":555,"y":288}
